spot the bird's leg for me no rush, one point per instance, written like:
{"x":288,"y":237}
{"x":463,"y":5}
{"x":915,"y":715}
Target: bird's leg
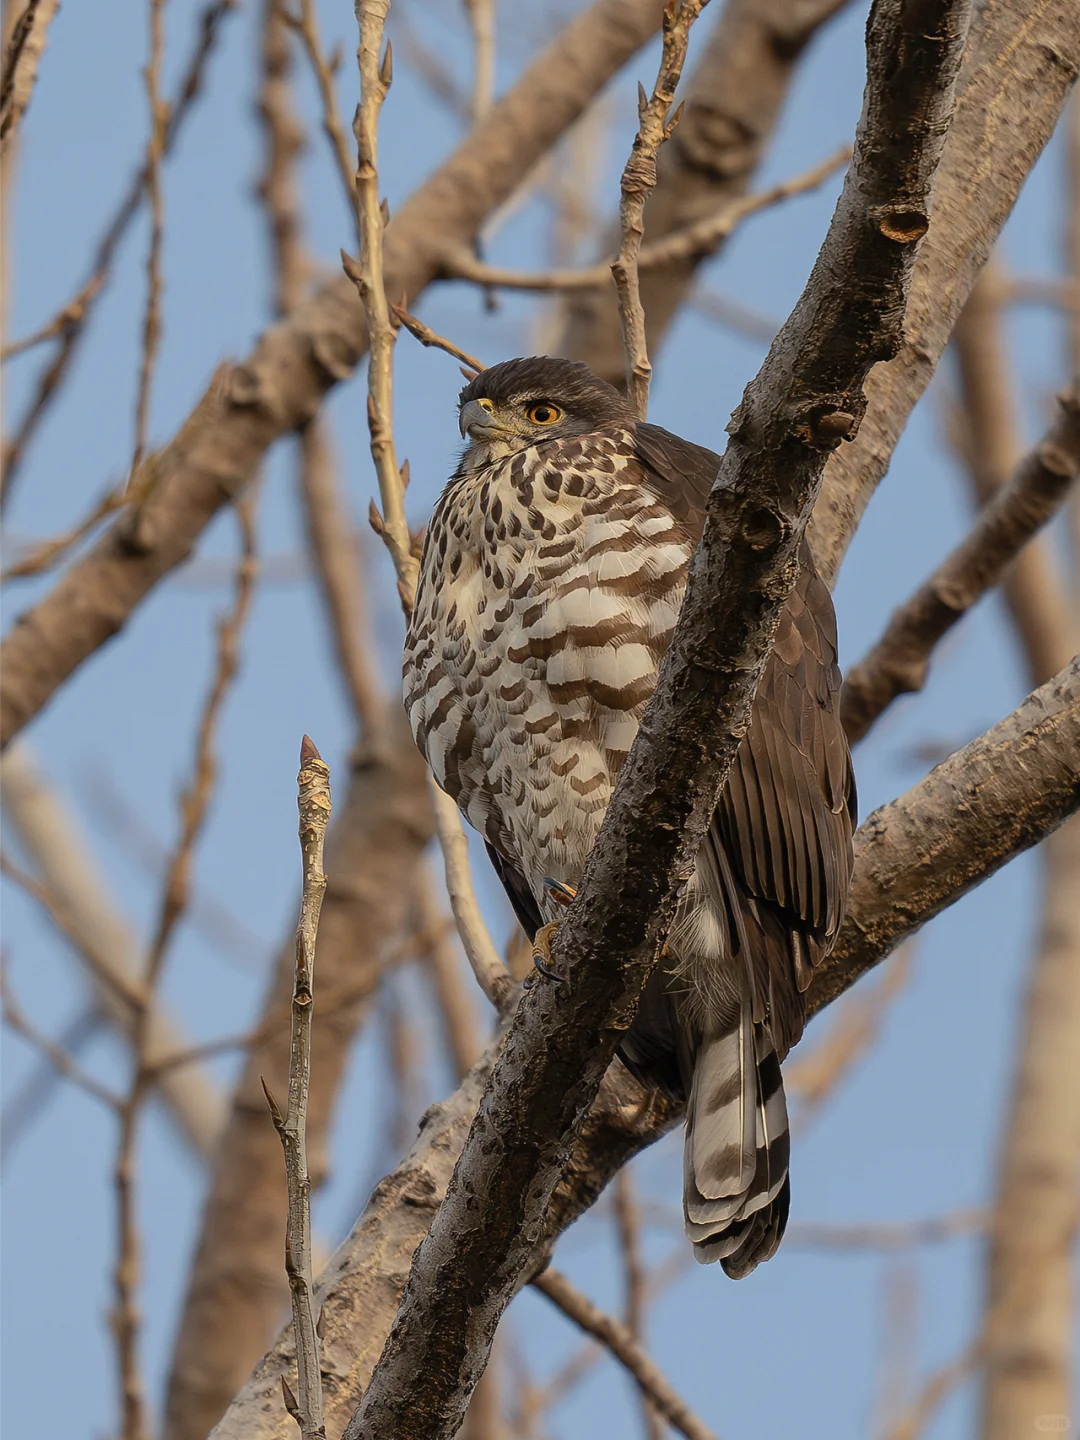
{"x":541,"y":951}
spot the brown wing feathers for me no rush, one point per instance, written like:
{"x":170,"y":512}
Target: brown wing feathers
{"x":786,"y":817}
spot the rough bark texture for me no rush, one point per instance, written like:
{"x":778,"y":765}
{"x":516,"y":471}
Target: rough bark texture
{"x":1030,"y":1362}
{"x":360,"y":1289}
{"x":900,"y":661}
{"x":1022,"y":59}
{"x":807,"y":397}
{"x":1028,"y":1336}
{"x":733,"y":102}
{"x":281,"y":385}
{"x":998,"y":796}
{"x":237,"y":1288}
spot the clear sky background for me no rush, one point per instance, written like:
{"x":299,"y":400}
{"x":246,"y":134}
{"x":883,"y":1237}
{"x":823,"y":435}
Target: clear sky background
{"x":797,"y":1348}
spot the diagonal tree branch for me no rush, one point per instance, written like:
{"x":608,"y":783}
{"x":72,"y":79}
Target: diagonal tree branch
{"x":932,"y":833}
{"x":622,"y":1343}
{"x":806,"y":399}
{"x":1021,"y":62}
{"x":995,"y":798}
{"x":900,"y":661}
{"x":282,"y":383}
{"x":734,"y":100}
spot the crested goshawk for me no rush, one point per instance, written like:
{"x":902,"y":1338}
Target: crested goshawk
{"x":552,"y":574}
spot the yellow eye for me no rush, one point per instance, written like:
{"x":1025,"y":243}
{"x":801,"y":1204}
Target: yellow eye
{"x":543,"y":412}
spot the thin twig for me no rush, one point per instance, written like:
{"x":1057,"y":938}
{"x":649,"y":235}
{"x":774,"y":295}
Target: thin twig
{"x":46,"y":554}
{"x":619,"y":1341}
{"x":733,"y":315}
{"x":437,"y":948}
{"x":331,"y":543}
{"x":375,"y":79}
{"x":155,"y":152}
{"x":813,"y":1075}
{"x":695,"y":241}
{"x":936,"y":1390}
{"x":334,"y":548}
{"x":58,"y":1056}
{"x":314,"y":803}
{"x":899,"y":662}
{"x":427,"y":336}
{"x":69,"y":324}
{"x":30,"y":1097}
{"x":324,"y":70}
{"x":430,"y":66}
{"x":627,"y":1224}
{"x":126,"y":987}
{"x":883,"y":1237}
{"x":638,"y":182}
{"x":76,"y":898}
{"x":194,"y":805}
{"x":491,"y":974}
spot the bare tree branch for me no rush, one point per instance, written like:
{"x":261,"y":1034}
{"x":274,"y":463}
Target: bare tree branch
{"x":236,"y":1289}
{"x":932,"y":829}
{"x":1030,"y":1369}
{"x":314,"y":803}
{"x":998,"y":796}
{"x":491,"y":974}
{"x":991,"y":446}
{"x":695,"y":242}
{"x":638,"y":181}
{"x":25,"y":47}
{"x":734,"y":99}
{"x":900,"y":661}
{"x":281,"y":385}
{"x":155,"y":153}
{"x":61,"y":1059}
{"x":69,"y":323}
{"x":628,"y":1226}
{"x":997,"y":134}
{"x":620,"y":1341}
{"x":806,"y":398}
{"x":63,"y":859}
{"x":1028,"y":1332}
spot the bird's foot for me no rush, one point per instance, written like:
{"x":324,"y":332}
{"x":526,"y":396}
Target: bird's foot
{"x":541,"y":950}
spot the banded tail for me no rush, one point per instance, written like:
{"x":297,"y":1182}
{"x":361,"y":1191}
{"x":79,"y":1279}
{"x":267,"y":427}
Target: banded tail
{"x":735,"y":1168}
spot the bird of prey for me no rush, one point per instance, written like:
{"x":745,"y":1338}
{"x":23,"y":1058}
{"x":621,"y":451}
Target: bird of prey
{"x":552,"y":574}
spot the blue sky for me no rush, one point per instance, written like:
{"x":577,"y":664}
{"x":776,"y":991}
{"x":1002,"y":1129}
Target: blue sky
{"x":797,"y":1347}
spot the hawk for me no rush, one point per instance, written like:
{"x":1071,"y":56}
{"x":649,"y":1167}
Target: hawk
{"x":551,"y":578}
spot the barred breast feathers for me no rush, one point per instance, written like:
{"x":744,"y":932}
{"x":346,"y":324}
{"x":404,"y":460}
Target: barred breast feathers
{"x":550,"y":586}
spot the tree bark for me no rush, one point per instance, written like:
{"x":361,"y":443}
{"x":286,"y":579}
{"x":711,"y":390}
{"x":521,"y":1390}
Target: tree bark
{"x":237,"y":1287}
{"x":734,"y":100}
{"x":1033,"y":751}
{"x":900,"y":661}
{"x":806,"y":399}
{"x":1022,"y":59}
{"x":1030,"y":1305}
{"x":1031,"y":1301}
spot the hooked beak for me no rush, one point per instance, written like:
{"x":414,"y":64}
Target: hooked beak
{"x":476,"y":422}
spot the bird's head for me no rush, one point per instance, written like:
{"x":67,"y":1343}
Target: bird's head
{"x":519,"y":403}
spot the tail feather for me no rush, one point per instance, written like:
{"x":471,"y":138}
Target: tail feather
{"x":736,"y":1190}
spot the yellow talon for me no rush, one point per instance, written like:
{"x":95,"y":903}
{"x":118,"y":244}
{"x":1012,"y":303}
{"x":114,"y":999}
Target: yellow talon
{"x":541,"y":950}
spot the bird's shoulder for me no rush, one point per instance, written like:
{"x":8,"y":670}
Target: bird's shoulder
{"x":679,"y":472}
